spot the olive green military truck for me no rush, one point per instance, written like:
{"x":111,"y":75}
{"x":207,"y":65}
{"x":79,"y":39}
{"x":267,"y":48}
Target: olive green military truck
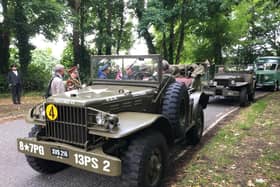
{"x":233,"y":81}
{"x":122,"y":124}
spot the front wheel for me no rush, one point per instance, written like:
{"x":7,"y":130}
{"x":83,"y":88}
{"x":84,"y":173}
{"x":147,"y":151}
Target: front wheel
{"x":145,"y":161}
{"x":252,"y":96}
{"x":41,"y":165}
{"x":244,"y":97}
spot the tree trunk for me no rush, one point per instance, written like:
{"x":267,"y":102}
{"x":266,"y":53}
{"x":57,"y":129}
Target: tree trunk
{"x":171,"y":42}
{"x":108,"y":45}
{"x":22,"y":36}
{"x":4,"y":40}
{"x":182,"y":32}
{"x":164,"y":45}
{"x":218,"y":53}
{"x":120,"y":31}
{"x":145,"y":33}
{"x":76,"y":31}
{"x":99,"y":41}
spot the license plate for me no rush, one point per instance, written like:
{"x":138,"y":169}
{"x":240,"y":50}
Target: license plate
{"x":59,"y":153}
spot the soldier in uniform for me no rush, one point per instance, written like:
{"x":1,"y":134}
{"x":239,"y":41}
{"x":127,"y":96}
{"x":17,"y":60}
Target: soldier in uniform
{"x":73,"y":82}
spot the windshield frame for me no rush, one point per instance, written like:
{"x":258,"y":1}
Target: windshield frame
{"x":155,"y":57}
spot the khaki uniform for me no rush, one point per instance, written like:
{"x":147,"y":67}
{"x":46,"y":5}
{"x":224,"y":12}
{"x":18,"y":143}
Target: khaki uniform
{"x":73,"y":84}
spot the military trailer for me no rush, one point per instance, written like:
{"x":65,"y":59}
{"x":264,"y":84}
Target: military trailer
{"x":233,"y":81}
{"x":268,"y":72}
{"x":121,"y":126}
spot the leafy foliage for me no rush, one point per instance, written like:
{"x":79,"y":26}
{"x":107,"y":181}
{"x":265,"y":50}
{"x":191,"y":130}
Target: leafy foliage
{"x":39,"y":71}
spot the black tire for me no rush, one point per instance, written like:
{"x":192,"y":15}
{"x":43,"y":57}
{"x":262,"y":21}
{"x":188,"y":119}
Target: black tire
{"x":195,"y":134}
{"x":244,"y":97}
{"x":145,"y":161}
{"x":252,"y":96}
{"x":174,"y":105}
{"x":275,"y":88}
{"x":41,"y":165}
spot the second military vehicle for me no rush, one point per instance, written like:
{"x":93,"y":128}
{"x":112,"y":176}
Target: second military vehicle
{"x":121,"y":125}
{"x":268,"y":72}
{"x":233,"y":82}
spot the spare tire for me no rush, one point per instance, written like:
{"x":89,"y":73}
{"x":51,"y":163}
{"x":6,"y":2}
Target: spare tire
{"x":174,"y":106}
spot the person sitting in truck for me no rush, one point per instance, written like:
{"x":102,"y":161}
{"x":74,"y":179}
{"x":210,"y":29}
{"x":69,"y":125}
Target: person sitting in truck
{"x":105,"y":70}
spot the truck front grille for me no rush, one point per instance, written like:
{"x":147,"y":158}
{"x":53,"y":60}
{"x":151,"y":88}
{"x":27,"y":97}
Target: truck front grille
{"x":222,"y":82}
{"x":260,"y":78}
{"x":69,"y":127}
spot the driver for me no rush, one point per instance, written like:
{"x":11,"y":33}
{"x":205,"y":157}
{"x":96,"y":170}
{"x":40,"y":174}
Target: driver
{"x":143,"y":73}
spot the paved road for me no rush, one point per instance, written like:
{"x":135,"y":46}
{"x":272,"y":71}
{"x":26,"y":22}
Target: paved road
{"x":14,"y":170}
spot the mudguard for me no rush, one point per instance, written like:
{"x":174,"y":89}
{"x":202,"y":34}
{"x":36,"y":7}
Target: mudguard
{"x":199,"y":98}
{"x":133,"y":122}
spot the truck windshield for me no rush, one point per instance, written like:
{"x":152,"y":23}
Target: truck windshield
{"x":266,"y":64}
{"x":122,"y":68}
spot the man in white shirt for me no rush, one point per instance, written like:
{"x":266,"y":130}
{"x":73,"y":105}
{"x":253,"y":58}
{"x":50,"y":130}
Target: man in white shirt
{"x":56,"y":84}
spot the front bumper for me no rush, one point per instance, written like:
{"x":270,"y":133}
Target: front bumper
{"x":265,"y":84}
{"x":221,"y":91}
{"x":94,"y":161}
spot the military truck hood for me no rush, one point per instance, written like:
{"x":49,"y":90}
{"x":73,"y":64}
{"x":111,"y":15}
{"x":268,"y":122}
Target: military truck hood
{"x":99,"y":93}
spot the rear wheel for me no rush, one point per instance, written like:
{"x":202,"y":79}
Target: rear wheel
{"x":41,"y":165}
{"x":144,"y":163}
{"x":195,"y":134}
{"x":244,"y":97}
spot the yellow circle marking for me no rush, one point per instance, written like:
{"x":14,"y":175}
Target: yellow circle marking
{"x":51,"y":112}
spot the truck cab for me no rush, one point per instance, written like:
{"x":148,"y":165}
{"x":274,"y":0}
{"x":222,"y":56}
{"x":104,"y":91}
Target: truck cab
{"x":268,"y":72}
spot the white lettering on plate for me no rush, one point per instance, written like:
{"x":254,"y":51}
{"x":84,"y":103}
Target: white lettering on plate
{"x":84,"y":160}
{"x":32,"y":148}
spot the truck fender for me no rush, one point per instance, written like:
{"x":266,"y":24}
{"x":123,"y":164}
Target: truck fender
{"x":199,"y":98}
{"x":133,"y":122}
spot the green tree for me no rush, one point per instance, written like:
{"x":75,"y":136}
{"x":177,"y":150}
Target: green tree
{"x":5,"y":35}
{"x":35,"y":17}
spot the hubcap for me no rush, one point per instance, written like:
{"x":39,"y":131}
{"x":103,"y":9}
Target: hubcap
{"x":154,"y":168}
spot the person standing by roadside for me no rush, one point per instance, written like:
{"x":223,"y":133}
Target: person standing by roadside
{"x":56,"y":84}
{"x":15,"y":83}
{"x":73,"y":82}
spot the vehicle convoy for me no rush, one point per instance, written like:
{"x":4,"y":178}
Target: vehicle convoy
{"x":119,"y":126}
{"x":268,"y":72}
{"x":233,"y":82}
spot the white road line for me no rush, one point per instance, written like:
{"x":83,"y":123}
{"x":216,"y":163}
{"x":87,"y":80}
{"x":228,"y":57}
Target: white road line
{"x":219,"y":114}
{"x":181,"y":154}
{"x":220,"y":119}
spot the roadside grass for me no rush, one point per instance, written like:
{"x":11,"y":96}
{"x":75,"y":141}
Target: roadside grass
{"x":244,"y":152}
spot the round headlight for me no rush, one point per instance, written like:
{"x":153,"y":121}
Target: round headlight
{"x":100,"y":119}
{"x":266,"y":77}
{"x":232,"y":82}
{"x":211,"y":82}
